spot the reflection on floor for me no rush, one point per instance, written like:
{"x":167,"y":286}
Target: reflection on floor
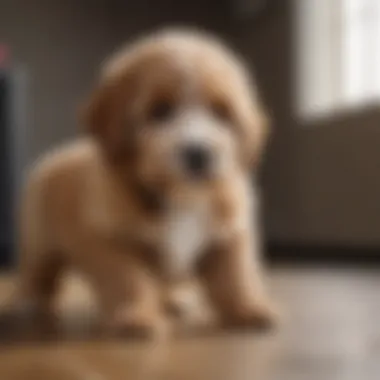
{"x":332,"y":332}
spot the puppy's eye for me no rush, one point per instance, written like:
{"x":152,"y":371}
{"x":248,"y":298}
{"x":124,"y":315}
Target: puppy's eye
{"x":222,"y":111}
{"x":161,"y":110}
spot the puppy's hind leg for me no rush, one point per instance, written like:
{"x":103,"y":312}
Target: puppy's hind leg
{"x":38,"y":282}
{"x":39,"y":265}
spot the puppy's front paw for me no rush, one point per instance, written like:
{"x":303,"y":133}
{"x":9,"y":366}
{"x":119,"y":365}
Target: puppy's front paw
{"x":258,"y":316}
{"x":139,"y":323}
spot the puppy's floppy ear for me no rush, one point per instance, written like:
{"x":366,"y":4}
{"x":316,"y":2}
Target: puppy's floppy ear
{"x":258,"y":134}
{"x":104,"y":117}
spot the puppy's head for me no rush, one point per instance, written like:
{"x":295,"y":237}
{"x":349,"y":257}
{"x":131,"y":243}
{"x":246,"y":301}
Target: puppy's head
{"x":178,"y":107}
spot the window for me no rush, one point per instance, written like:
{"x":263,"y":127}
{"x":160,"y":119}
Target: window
{"x":338,"y":55}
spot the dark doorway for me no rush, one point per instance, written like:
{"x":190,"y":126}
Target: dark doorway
{"x":6,"y":199}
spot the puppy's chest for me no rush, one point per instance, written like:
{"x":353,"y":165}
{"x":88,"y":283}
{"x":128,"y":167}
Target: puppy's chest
{"x":187,"y":231}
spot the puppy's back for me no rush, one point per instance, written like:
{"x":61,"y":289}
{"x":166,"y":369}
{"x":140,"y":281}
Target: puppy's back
{"x":53,"y":190}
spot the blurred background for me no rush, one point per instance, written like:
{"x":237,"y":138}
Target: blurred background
{"x":317,"y":64}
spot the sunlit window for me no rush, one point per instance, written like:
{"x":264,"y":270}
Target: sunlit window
{"x":338,"y":55}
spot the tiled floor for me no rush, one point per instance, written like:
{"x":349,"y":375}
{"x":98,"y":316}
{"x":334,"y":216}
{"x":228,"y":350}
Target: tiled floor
{"x":332,"y":332}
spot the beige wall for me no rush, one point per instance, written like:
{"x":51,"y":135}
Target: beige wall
{"x":321,"y":181}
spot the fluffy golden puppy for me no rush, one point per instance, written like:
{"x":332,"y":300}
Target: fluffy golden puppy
{"x":160,"y":190}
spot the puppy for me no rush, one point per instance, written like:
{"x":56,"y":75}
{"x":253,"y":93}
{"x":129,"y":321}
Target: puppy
{"x":159,"y":192}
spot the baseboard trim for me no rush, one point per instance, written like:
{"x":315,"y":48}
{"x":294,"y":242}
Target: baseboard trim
{"x":321,"y":254}
{"x":286,"y":253}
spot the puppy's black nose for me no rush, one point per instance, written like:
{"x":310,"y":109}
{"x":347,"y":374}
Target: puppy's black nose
{"x":196,"y":159}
